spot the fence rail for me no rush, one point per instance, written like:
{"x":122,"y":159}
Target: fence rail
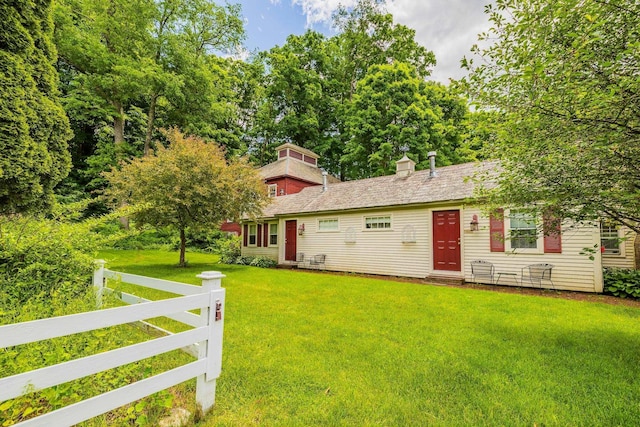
{"x":204,"y":341}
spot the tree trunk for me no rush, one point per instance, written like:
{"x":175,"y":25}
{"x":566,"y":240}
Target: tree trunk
{"x":118,"y":123}
{"x":151,"y":117}
{"x":636,"y":245}
{"x":118,"y":138}
{"x":183,"y":244}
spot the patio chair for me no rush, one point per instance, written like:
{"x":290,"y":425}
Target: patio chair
{"x":483,"y":270}
{"x":537,"y":273}
{"x":299,"y":259}
{"x":317,"y":260}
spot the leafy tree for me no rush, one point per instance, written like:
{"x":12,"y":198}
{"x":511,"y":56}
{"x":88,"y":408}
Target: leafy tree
{"x":186,"y":34}
{"x":368,"y":36}
{"x":564,"y":77}
{"x":299,"y":102}
{"x":34,"y":129}
{"x":107,"y":43}
{"x":187,"y":185}
{"x":311,"y":80}
{"x":393,"y":110}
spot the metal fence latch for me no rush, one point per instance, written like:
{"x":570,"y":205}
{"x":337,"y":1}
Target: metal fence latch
{"x":218,"y":310}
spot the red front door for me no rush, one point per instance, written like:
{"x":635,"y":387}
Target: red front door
{"x":290,"y":242}
{"x":446,"y":240}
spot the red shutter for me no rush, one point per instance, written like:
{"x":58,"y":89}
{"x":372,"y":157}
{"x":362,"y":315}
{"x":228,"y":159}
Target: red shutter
{"x":245,"y":235}
{"x":265,"y":239}
{"x":551,"y":227}
{"x":496,"y":230}
{"x":259,"y":236}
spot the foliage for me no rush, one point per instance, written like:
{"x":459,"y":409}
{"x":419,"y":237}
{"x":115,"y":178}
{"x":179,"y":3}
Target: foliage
{"x":333,"y":349}
{"x":622,"y":282}
{"x":35,"y":129}
{"x":32,"y":356}
{"x":43,"y":259}
{"x":314,"y":93}
{"x":254,"y":261}
{"x":393,"y":110}
{"x":244,"y":260}
{"x":48,"y":259}
{"x":564,"y":76}
{"x":228,"y":249}
{"x":263,"y":262}
{"x":130,"y":68}
{"x":187,"y":185}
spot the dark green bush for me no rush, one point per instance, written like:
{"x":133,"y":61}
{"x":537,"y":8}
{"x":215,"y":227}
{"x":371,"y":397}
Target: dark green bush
{"x":41,"y":259}
{"x":244,"y":260}
{"x":263,"y":262}
{"x":146,"y":238}
{"x":622,"y":283}
{"x":228,"y":249}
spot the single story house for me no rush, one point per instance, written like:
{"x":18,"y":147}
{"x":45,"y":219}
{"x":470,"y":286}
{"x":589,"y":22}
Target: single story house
{"x":420,"y":224}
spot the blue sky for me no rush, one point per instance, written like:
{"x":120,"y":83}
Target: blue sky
{"x":447,"y":27}
{"x":268,"y":24}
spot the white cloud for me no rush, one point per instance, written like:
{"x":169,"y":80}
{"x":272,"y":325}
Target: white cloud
{"x":447,"y":27}
{"x":319,"y":11}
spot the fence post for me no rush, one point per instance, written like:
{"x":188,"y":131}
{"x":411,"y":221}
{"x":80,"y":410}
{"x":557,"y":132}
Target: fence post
{"x":213,"y":316}
{"x":98,"y":280}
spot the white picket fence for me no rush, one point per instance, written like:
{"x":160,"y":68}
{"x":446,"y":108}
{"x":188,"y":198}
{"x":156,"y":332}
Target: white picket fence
{"x":204,"y":340}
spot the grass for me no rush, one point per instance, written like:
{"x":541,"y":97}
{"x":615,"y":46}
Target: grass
{"x":320,"y":349}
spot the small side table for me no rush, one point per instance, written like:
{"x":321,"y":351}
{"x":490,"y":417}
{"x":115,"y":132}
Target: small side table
{"x":513,"y":275}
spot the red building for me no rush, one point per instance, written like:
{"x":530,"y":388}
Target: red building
{"x":295,"y":169}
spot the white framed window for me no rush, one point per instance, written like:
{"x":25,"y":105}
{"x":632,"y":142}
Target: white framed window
{"x":253,"y":233}
{"x":328,"y":224}
{"x":610,"y":239}
{"x":273,"y":234}
{"x":377,"y":222}
{"x":273,"y":190}
{"x":523,"y":233}
{"x":523,"y":230}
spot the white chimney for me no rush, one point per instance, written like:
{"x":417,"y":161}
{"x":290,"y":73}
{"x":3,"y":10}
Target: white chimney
{"x":405,"y":167}
{"x":432,"y":164}
{"x":324,"y":181}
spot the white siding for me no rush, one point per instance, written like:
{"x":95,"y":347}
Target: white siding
{"x":269,"y":252}
{"x":626,"y":259}
{"x":374,"y":251}
{"x":572,"y":270}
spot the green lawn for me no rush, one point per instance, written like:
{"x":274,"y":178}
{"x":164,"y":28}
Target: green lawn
{"x":320,"y":349}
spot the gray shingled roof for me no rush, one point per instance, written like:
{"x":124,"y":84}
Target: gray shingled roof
{"x":450,"y":184}
{"x":294,"y":168}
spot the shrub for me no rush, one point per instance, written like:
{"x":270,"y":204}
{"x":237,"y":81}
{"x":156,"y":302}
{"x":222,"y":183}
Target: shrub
{"x":41,"y":258}
{"x":143,"y":238}
{"x":228,"y":249}
{"x":621,"y":282}
{"x":263,"y":262}
{"x":244,"y":260}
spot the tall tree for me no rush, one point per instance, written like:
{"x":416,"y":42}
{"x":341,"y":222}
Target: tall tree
{"x":189,"y":184}
{"x":299,"y":100}
{"x":393,"y":110}
{"x":34,"y":129}
{"x":311,"y":80}
{"x":186,"y":36}
{"x":565,"y":77}
{"x":108,"y":44}
{"x":123,"y":61}
{"x":368,"y":36}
